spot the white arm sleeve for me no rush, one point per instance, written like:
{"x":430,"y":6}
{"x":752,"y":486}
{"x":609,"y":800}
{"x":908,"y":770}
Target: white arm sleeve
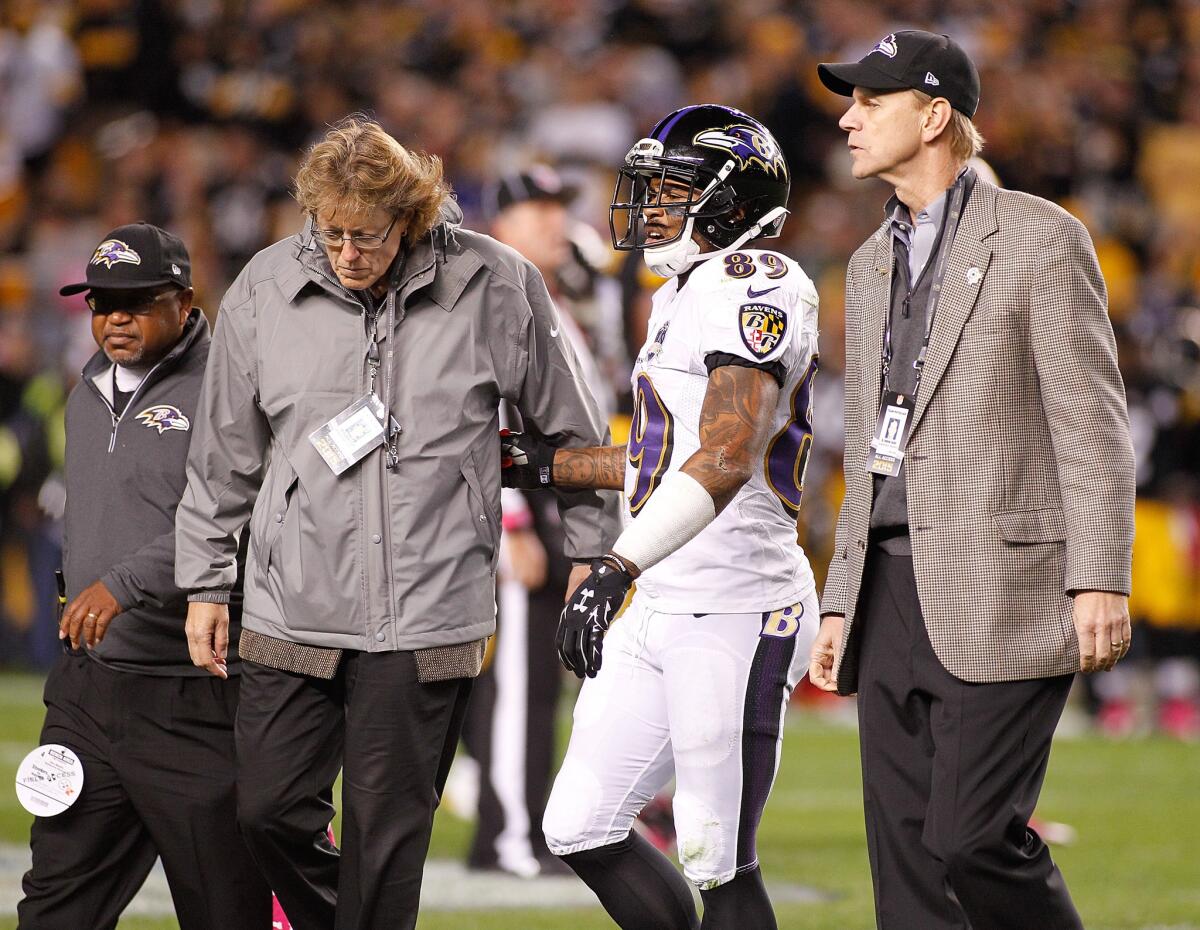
{"x":674,"y":515}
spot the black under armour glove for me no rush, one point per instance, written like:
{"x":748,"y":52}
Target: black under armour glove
{"x":525,"y":462}
{"x":585,"y":619}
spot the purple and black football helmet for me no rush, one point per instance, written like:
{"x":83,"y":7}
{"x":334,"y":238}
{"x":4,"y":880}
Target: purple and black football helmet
{"x":736,"y":174}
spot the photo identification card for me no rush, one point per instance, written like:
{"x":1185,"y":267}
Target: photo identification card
{"x":891,"y":434}
{"x":348,"y":437}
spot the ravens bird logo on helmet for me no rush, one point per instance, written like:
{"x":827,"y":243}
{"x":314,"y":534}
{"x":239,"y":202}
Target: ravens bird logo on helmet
{"x":748,"y":145}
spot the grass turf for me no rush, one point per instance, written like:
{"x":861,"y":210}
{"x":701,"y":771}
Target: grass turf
{"x":1136,"y":806}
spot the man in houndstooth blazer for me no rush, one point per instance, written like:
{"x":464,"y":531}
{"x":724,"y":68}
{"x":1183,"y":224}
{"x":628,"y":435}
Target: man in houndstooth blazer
{"x":967,"y":588}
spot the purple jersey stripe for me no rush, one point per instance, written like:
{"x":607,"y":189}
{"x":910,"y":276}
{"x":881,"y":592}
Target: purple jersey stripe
{"x":766,"y":692}
{"x":661,"y":135}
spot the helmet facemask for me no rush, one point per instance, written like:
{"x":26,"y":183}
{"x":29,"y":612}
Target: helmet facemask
{"x":636,"y":192}
{"x":678,"y":187}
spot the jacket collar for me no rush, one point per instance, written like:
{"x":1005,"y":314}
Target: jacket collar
{"x":966,"y":268}
{"x":978,"y":219}
{"x":426,"y":266}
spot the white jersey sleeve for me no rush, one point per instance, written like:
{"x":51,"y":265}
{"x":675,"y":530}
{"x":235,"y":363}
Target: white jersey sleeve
{"x":760,"y":311}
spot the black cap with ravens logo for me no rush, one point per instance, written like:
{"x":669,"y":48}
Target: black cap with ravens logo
{"x":910,"y":60}
{"x":133,"y":256}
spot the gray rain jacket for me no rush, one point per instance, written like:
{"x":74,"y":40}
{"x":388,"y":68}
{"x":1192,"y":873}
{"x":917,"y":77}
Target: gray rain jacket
{"x":377,"y":559}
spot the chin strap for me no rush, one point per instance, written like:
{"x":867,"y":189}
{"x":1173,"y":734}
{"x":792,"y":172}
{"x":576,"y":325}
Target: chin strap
{"x":670,"y":260}
{"x":667,"y":261}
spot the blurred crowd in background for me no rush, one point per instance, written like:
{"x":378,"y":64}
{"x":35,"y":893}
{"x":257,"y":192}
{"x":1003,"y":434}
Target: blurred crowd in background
{"x":192,"y":114}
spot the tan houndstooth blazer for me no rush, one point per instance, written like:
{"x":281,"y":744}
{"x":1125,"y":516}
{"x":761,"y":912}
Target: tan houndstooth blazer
{"x":1020,"y":471}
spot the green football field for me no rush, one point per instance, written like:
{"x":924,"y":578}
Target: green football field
{"x":1135,"y":805}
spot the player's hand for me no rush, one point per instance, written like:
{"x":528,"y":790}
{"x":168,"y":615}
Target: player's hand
{"x":86,"y":618}
{"x":208,"y":636}
{"x":826,"y":650}
{"x":579,"y":574}
{"x":587,"y":615}
{"x":1102,"y":624}
{"x":525,"y":462}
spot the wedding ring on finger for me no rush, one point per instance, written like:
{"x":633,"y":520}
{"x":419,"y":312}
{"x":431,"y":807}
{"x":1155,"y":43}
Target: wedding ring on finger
{"x":93,"y":616}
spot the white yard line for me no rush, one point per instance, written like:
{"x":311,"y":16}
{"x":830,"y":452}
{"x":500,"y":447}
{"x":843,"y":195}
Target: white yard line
{"x":448,"y":887}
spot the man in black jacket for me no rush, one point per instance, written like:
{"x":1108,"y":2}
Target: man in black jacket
{"x":153,"y":732}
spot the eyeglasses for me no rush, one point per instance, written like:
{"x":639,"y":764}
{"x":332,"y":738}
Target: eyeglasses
{"x":364,"y":242}
{"x":104,"y":304}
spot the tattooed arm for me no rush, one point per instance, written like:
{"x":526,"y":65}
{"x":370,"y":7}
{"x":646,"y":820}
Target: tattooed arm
{"x":599,"y":467}
{"x":529,"y":463}
{"x":735,"y":423}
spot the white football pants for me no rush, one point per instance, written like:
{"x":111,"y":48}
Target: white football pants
{"x":698,"y":697}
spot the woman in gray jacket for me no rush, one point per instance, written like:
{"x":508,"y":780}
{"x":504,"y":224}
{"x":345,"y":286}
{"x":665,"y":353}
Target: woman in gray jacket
{"x":349,"y":413}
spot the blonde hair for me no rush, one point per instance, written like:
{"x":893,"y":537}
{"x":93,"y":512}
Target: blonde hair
{"x":965,"y":140}
{"x":359,"y":167}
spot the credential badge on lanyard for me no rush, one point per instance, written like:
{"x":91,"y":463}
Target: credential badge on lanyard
{"x":348,"y":437}
{"x":891,"y":434}
{"x":896,"y":410}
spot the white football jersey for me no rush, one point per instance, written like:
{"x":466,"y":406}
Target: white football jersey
{"x":759,"y":306}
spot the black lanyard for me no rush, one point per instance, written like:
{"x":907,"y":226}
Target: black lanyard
{"x":391,"y":431}
{"x":955,"y":202}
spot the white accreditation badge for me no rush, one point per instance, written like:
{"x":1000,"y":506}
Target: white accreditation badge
{"x":348,"y":437}
{"x":49,"y":780}
{"x":891,"y":434}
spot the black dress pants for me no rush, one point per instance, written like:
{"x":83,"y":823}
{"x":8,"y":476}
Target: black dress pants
{"x":951,"y":776}
{"x":158,"y":767}
{"x":392,"y":737}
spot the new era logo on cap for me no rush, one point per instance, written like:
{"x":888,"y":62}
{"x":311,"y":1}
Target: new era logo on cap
{"x":931,"y":80}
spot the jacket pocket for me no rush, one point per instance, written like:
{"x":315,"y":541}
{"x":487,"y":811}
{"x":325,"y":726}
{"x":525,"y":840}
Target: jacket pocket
{"x":275,"y":512}
{"x":1032,"y":526}
{"x":483,"y":515}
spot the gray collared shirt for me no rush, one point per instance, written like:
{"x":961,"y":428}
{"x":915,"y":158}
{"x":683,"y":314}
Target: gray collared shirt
{"x":921,"y":238}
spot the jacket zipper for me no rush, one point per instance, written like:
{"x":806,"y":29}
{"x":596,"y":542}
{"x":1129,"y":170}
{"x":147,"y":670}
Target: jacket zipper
{"x":112,"y":411}
{"x":341,"y":288}
{"x":385,"y":526}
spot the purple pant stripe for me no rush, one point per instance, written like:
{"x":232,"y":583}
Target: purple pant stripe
{"x":766,"y":689}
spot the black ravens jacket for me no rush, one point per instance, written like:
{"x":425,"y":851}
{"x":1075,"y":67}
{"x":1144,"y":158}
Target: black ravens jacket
{"x":125,"y":477}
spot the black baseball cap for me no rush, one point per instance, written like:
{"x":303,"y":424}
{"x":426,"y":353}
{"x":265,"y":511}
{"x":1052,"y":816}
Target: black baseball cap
{"x":133,"y":256}
{"x":537,"y":182}
{"x":910,"y":60}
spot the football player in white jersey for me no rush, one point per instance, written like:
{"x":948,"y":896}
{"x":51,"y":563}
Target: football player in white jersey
{"x":694,"y":679}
